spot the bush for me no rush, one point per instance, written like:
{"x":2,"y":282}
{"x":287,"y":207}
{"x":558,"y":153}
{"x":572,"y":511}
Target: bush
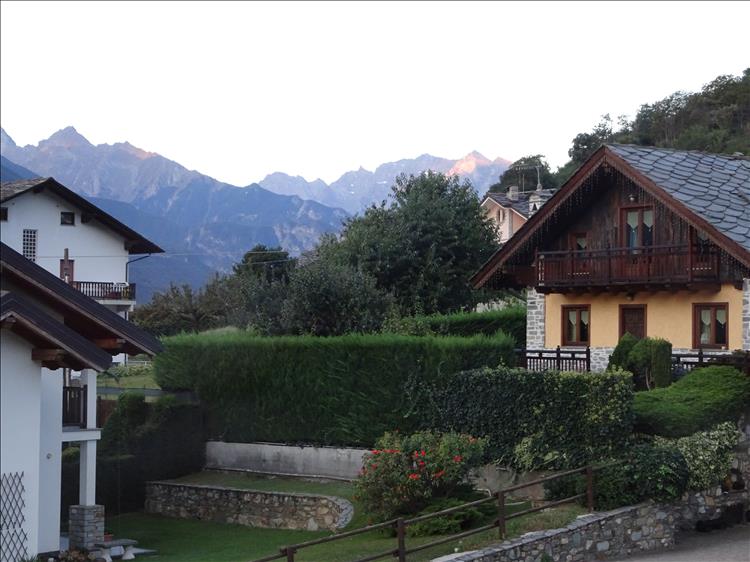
{"x":643,"y":472}
{"x":708,"y":454}
{"x":403,"y":473}
{"x":511,"y":320}
{"x":457,"y":521}
{"x":344,"y":390}
{"x":700,"y":400}
{"x":533,"y":420}
{"x":619,"y":357}
{"x":650,"y":361}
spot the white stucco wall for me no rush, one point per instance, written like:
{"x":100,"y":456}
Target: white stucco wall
{"x":87,"y":243}
{"x":50,"y":469}
{"x":20,"y":388}
{"x":506,"y":227}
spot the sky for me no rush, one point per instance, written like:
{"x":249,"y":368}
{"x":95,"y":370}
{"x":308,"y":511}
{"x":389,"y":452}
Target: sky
{"x":239,"y":90}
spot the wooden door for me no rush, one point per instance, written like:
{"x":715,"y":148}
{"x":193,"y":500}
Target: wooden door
{"x":633,"y":320}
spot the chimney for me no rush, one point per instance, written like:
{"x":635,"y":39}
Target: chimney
{"x":513,"y":193}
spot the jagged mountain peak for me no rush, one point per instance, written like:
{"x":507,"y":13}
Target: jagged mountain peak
{"x":68,"y":137}
{"x":5,"y":140}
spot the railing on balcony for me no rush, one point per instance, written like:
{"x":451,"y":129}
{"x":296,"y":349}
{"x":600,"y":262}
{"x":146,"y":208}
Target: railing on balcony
{"x":624,"y":266}
{"x":106,"y":290}
{"x":74,"y":406}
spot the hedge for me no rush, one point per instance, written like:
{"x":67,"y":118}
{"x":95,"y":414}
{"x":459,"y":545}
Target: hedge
{"x":511,"y":320}
{"x":140,"y":442}
{"x":700,"y":400}
{"x":551,"y":420}
{"x":345,"y":390}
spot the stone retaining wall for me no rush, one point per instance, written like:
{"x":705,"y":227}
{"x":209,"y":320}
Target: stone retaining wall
{"x":612,"y":534}
{"x":252,"y":508}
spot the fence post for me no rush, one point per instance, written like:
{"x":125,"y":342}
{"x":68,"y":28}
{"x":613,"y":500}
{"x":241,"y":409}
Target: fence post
{"x":700,"y":357}
{"x":501,"y":513}
{"x":588,"y":358}
{"x":590,"y":488}
{"x":401,"y":536}
{"x":289,"y":554}
{"x":557,"y":359}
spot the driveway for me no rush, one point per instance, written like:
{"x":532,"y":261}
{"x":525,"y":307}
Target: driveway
{"x":729,"y":545}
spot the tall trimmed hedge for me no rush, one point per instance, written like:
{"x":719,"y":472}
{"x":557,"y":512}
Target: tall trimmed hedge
{"x":345,"y":390}
{"x":550,"y":419}
{"x":511,"y":320}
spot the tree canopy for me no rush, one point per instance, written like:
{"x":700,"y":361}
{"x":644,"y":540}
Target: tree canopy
{"x":523,"y":173}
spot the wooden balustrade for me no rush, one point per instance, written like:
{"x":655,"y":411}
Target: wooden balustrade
{"x":74,"y":406}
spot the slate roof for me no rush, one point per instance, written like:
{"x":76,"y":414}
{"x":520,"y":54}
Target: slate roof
{"x":37,"y":322}
{"x":714,"y":186}
{"x":138,"y":243}
{"x":521,"y":204}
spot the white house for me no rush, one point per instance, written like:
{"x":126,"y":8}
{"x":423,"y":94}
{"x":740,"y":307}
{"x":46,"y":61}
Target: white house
{"x":50,"y":328}
{"x":510,"y":211}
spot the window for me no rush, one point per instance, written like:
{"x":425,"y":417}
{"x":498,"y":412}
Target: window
{"x":67,"y":218}
{"x":29,"y":244}
{"x":579,"y":242}
{"x":576,"y":325}
{"x":711,"y":327}
{"x":500,"y":215}
{"x":638,"y":227}
{"x":3,"y":213}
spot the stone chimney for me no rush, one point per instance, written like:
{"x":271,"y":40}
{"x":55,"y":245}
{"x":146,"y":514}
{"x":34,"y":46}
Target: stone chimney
{"x":513,"y":193}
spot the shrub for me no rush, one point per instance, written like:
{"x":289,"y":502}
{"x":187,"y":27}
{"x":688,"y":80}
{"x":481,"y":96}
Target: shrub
{"x":457,"y":521}
{"x":511,"y":320}
{"x":708,"y":454}
{"x":533,"y":419}
{"x":619,"y":357}
{"x":650,"y":360}
{"x":700,"y":400}
{"x":645,"y":471}
{"x":340,"y":390}
{"x":403,"y":473}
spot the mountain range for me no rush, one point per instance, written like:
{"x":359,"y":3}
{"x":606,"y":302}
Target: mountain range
{"x":203,"y":224}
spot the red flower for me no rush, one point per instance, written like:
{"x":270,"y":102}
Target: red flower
{"x":375,"y":451}
{"x":421,"y":463}
{"x":439,"y":473}
{"x":414,"y":476}
{"x":423,"y":453}
{"x":457,"y":458}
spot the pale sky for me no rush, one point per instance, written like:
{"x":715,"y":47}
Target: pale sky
{"x":239,"y":90}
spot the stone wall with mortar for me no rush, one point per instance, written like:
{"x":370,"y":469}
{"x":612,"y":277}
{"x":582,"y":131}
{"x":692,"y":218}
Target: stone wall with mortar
{"x":534,"y":319}
{"x":85,"y":525}
{"x":746,"y":314}
{"x":611,"y":534}
{"x":251,"y":508}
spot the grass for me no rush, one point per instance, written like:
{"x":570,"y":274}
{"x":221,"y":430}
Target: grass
{"x":179,"y":540}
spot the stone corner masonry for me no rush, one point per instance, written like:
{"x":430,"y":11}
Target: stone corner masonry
{"x":85,"y":526}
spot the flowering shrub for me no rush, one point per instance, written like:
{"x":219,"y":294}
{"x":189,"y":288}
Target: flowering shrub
{"x":402,"y":474}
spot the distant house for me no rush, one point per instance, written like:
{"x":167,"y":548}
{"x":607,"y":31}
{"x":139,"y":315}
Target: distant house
{"x":654,"y":242}
{"x":64,"y":298}
{"x":510,"y":211}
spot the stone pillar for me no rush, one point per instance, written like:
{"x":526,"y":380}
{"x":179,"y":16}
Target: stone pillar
{"x":85,"y":526}
{"x":746,"y":314}
{"x":534,"y":319}
{"x":87,"y":473}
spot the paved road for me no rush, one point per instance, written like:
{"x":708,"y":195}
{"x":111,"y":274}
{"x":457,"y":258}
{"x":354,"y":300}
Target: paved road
{"x":729,"y":545}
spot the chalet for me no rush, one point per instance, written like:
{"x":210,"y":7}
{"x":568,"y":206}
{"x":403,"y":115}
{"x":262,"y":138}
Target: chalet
{"x":651,"y":241}
{"x":509,"y":211}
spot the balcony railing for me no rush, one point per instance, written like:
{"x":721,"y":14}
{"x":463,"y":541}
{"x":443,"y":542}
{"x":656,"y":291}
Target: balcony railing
{"x":106,"y":290}
{"x":627,"y":266}
{"x":74,"y":406}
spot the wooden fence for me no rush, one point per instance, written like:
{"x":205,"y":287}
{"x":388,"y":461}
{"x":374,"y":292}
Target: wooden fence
{"x":685,"y":362}
{"x":401,"y":526}
{"x":554,"y":359}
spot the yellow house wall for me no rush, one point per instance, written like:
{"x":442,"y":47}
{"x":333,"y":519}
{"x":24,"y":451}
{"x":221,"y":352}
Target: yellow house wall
{"x":668,"y":315}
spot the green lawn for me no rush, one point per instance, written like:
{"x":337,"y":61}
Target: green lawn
{"x":179,"y":540}
{"x":133,"y":381}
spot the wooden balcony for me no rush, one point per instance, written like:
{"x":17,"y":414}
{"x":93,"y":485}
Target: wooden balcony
{"x":106,"y":290}
{"x":649,"y":267}
{"x":74,"y":406}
